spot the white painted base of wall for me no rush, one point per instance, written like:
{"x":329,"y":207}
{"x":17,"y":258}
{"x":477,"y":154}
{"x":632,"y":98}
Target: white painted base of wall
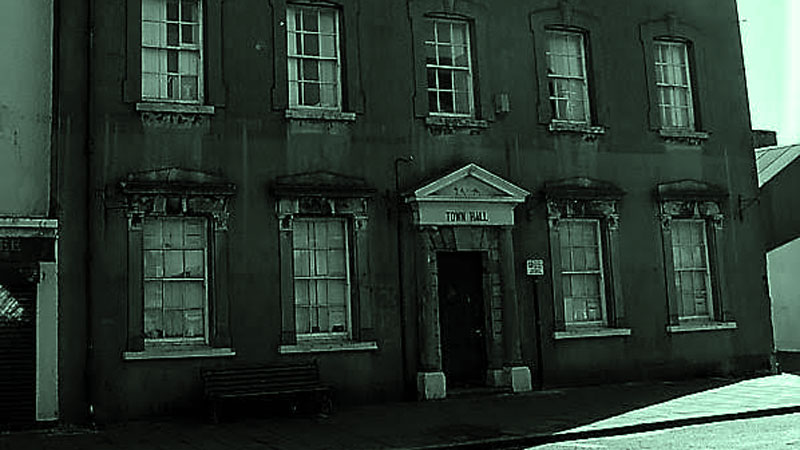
{"x":431,"y":385}
{"x":520,"y":378}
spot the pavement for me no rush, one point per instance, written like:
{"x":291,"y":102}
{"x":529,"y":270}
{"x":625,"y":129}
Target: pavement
{"x":467,"y":422}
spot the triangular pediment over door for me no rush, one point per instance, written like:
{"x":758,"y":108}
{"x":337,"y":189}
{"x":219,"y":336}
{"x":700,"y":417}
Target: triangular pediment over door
{"x":470,"y":195}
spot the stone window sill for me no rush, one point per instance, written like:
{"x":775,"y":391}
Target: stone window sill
{"x":178,"y":353}
{"x":705,"y":326}
{"x":682,"y":136}
{"x":328,"y":347}
{"x":587,"y":131}
{"x":176,"y":108}
{"x":592,"y":333}
{"x":450,"y":124}
{"x":319,"y":114}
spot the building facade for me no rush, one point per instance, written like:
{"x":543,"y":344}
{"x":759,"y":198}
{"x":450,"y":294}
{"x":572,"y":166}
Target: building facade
{"x":778,"y":178}
{"x":369,"y":184}
{"x":28,"y":227}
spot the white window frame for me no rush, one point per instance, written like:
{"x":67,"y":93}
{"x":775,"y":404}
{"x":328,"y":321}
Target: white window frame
{"x":204,"y":340}
{"x":436,"y":67}
{"x":706,"y":271}
{"x":181,"y":47}
{"x":603,"y":322}
{"x":670,"y":109}
{"x":553,"y":78}
{"x":330,"y":335}
{"x":293,"y":57}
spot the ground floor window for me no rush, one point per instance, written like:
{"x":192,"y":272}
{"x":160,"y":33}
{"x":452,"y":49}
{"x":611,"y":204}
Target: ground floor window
{"x":175,"y":279}
{"x":692,"y":274}
{"x":321,"y":276}
{"x":582,"y":272}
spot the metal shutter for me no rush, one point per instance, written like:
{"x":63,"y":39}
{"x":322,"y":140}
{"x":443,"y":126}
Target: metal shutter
{"x":17,"y":344}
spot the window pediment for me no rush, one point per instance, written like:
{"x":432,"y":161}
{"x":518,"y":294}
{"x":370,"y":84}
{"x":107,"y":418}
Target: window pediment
{"x":177,"y":191}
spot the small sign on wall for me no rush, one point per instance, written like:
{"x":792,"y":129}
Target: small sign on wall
{"x":534,"y":267}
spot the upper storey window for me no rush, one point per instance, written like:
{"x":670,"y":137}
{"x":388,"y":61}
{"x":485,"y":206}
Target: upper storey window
{"x":673,"y":84}
{"x":449,"y":67}
{"x":172,"y":51}
{"x":314,"y":57}
{"x":566,"y":76}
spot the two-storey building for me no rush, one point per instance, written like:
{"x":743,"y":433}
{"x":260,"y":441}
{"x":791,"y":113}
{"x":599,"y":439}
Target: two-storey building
{"x":419,"y":195}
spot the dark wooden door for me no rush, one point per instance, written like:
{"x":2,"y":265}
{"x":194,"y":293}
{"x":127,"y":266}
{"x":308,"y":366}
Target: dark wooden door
{"x":17,"y":344}
{"x":462,"y":319}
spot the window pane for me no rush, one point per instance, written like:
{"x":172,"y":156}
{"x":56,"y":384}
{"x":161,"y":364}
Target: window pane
{"x":153,"y":10}
{"x":172,"y":61}
{"x":193,"y":294}
{"x":172,"y":9}
{"x":173,"y":324}
{"x":193,"y":323}
{"x":310,"y":69}
{"x":311,"y":45}
{"x":445,"y":55}
{"x":445,"y":79}
{"x":188,"y":87}
{"x":337,"y":319}
{"x":328,"y":95}
{"x":446,"y":101}
{"x":430,"y":54}
{"x":335,"y":234}
{"x":172,"y":34}
{"x":153,"y":323}
{"x":460,"y":56}
{"x":194,"y":234}
{"x":336,"y":263}
{"x":194,"y":263}
{"x":153,"y":34}
{"x":153,"y":294}
{"x":336,"y":293}
{"x":301,"y":292}
{"x":189,"y":34}
{"x":173,"y":295}
{"x":462,"y":102}
{"x":153,"y":263}
{"x":459,"y":33}
{"x":328,"y":72}
{"x":328,"y":46}
{"x":173,"y":233}
{"x":310,"y":22}
{"x":443,"y":32}
{"x":327,"y":21}
{"x":432,"y":78}
{"x":302,"y":318}
{"x":151,"y":67}
{"x":321,"y":262}
{"x":302,"y":263}
{"x":433,"y":101}
{"x":173,"y":263}
{"x":189,"y":11}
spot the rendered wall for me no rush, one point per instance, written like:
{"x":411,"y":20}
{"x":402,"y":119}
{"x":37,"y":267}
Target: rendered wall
{"x":250,"y":143}
{"x":784,"y":289}
{"x":26,"y":39}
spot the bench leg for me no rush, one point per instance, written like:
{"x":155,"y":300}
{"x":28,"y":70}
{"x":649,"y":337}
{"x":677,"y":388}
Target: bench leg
{"x":212,"y":412}
{"x":326,"y":403}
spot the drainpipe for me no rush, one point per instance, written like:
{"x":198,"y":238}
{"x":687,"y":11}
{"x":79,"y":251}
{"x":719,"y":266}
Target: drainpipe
{"x":89,"y":369}
{"x":400,"y":266}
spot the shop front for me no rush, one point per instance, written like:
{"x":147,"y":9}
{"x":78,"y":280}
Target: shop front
{"x":28,"y":322}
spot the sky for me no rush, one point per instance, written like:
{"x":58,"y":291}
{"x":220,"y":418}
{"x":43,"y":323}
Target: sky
{"x":771,"y":45}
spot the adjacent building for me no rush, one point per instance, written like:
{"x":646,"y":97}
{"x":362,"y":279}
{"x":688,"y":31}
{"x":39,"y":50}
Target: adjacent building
{"x":421,"y":196}
{"x":778,"y":178}
{"x":28,"y":226}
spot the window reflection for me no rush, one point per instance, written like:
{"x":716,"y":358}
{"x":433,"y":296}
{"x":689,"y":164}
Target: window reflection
{"x":10,"y":309}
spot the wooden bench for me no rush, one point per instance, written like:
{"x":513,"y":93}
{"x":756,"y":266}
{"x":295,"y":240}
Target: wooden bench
{"x":295,"y":382}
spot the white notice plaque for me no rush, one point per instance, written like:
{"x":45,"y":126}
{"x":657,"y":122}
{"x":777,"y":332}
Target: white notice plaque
{"x":534,"y":267}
